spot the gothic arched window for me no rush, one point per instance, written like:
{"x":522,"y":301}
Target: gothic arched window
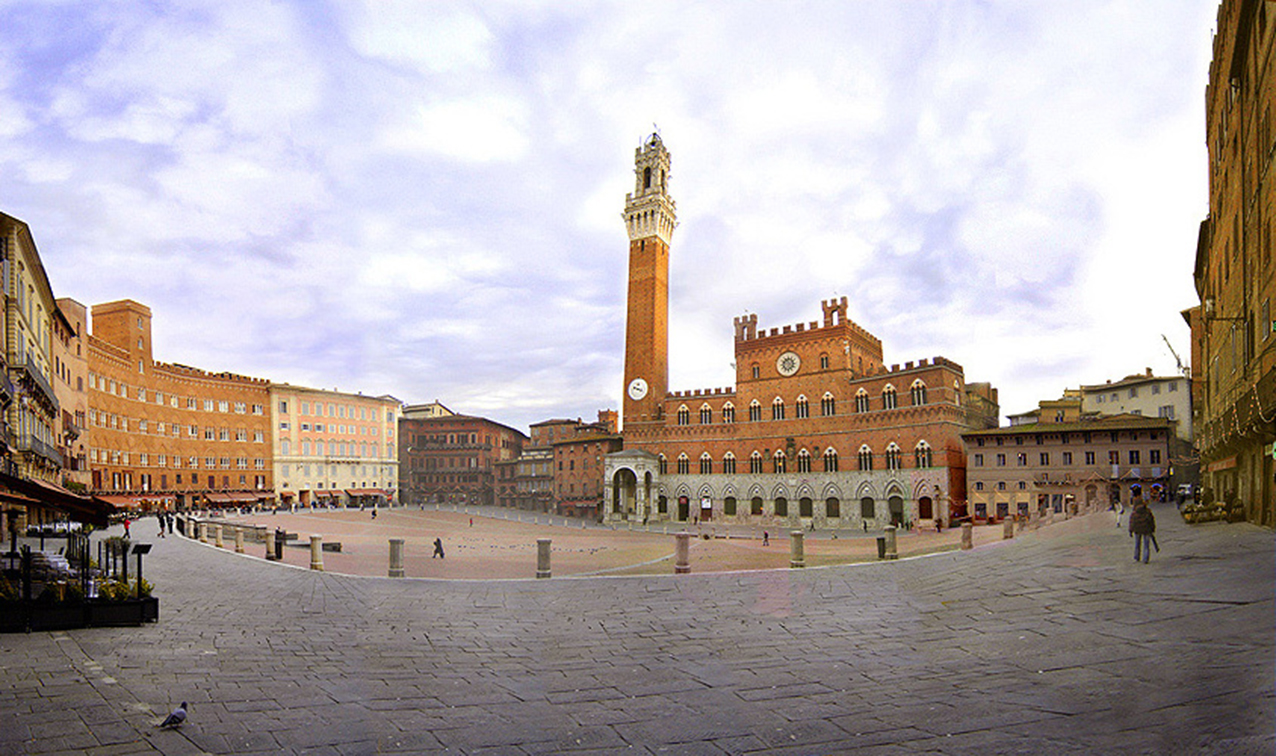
{"x":922,"y":454}
{"x":919,"y":392}
{"x":893,"y":457}
{"x":888,"y":397}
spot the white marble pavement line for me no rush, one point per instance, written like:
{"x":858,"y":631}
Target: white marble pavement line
{"x":1055,"y":642}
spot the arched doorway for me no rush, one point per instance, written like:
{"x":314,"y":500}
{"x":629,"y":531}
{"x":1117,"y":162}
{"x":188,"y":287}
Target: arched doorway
{"x":925,"y":508}
{"x":832,"y":508}
{"x":624,"y":490}
{"x":683,"y":508}
{"x":806,"y":507}
{"x":896,"y":506}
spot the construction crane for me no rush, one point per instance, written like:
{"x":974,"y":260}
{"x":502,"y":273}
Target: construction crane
{"x":1184,"y":370}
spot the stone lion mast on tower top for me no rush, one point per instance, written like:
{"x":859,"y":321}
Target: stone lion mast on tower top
{"x":650,"y":218}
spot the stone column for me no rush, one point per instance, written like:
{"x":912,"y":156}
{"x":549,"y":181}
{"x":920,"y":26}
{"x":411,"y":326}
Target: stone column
{"x":682,"y":553}
{"x":270,"y":544}
{"x":239,"y":540}
{"x":1007,"y":529}
{"x":641,"y":505}
{"x":542,"y":557}
{"x":797,"y":550}
{"x":396,"y":557}
{"x":316,"y":553}
{"x":891,"y":550}
{"x":203,"y":532}
{"x":966,"y":535}
{"x":217,"y":536}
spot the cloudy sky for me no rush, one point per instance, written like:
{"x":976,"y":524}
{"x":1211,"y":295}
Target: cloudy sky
{"x":424,"y":199}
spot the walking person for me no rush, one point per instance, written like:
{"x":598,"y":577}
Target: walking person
{"x":1143,"y":528}
{"x":438,"y":548}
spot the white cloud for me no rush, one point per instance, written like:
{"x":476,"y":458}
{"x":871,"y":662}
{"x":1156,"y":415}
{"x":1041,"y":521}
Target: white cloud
{"x":425,"y":199}
{"x":432,"y":37}
{"x":485,"y":129}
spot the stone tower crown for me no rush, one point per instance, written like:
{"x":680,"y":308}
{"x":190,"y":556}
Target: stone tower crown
{"x":649,"y":211}
{"x":834,"y":311}
{"x":746,"y":327}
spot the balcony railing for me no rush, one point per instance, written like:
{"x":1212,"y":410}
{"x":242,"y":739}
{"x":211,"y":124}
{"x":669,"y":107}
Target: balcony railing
{"x":33,"y":444}
{"x":26,"y":368}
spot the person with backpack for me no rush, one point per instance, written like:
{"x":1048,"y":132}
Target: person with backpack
{"x":1143,"y":528}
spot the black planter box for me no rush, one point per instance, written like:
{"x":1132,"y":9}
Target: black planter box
{"x":17,"y":616}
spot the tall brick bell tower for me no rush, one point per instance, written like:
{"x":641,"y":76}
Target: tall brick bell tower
{"x":650,"y":217}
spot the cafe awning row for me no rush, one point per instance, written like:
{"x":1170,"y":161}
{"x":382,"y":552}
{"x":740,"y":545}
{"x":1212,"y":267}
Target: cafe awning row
{"x":365,"y":492}
{"x":236,"y":497}
{"x":89,"y":510}
{"x":121,"y":502}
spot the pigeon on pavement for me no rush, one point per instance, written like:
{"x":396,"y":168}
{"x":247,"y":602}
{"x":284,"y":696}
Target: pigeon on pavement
{"x":176,"y":718}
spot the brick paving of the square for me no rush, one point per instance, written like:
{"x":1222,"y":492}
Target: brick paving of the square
{"x":1055,"y":642}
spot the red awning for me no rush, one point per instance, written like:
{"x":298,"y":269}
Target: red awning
{"x":86,"y":509}
{"x":218,"y":498}
{"x":126,"y":502}
{"x":365,"y":492}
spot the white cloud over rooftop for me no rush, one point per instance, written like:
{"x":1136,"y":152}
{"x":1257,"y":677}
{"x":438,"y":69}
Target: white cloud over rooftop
{"x":424,"y":199}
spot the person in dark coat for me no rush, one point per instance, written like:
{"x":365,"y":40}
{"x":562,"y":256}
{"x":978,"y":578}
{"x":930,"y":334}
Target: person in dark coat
{"x":438,"y":548}
{"x":1143,"y":528}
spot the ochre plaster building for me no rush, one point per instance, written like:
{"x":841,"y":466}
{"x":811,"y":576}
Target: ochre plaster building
{"x":334,"y":448}
{"x":70,"y":370}
{"x":818,"y":430}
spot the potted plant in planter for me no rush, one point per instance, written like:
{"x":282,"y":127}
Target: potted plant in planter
{"x":116,"y":605}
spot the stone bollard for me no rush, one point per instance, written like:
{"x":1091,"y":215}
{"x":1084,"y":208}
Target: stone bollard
{"x":396,"y":557}
{"x":203,"y":531}
{"x":682,"y":553}
{"x":797,"y":550}
{"x":217,"y":536}
{"x":239,"y":540}
{"x":316,"y":553}
{"x":1007,"y":529}
{"x":967,"y":531}
{"x":542,"y":557}
{"x":891,"y":551}
{"x":270,"y":545}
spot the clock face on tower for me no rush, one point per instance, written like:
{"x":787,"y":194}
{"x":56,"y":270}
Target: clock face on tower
{"x":788,"y":364}
{"x":637,"y":389}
